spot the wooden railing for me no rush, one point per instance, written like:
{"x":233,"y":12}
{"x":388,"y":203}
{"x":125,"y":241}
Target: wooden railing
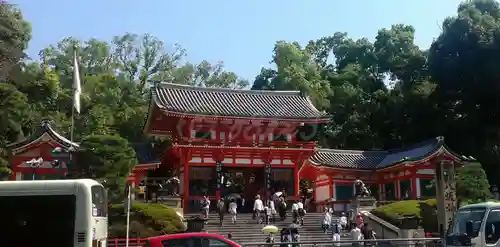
{"x":120,"y":242}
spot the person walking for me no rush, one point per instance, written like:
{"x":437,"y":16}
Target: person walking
{"x":295,"y":211}
{"x":359,"y":220}
{"x":273,"y":211}
{"x":326,"y":222}
{"x":367,"y":233}
{"x":356,"y":235}
{"x":301,"y":211}
{"x":343,"y":221}
{"x":258,"y":208}
{"x":282,"y":208}
{"x":221,"y":210}
{"x":336,"y":234}
{"x":233,"y":210}
{"x":267,"y":214}
{"x":205,"y":206}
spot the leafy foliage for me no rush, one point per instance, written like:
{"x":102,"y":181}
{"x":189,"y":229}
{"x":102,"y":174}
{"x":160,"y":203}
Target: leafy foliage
{"x":472,"y":183}
{"x":146,"y":220}
{"x":108,"y":159}
{"x":425,"y":211}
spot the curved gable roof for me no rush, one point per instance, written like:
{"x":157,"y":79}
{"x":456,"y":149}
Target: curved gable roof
{"x":373,"y":160}
{"x":44,"y":129}
{"x":222,"y":102}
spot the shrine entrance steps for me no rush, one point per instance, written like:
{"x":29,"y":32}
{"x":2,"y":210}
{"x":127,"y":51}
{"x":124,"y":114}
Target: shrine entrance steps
{"x":248,"y":230}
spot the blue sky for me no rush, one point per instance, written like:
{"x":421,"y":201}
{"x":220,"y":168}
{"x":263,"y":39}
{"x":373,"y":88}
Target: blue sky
{"x":239,"y":33}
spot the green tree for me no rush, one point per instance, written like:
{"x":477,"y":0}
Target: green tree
{"x":16,"y":33}
{"x":12,"y":108}
{"x":464,"y":64}
{"x":295,"y":70}
{"x":472,"y":183}
{"x":109,"y":159}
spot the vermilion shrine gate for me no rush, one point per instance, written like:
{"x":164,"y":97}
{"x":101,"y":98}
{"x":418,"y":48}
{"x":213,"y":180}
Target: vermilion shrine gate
{"x":256,"y":139}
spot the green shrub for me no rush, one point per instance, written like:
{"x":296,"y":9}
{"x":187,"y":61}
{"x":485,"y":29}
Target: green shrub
{"x":146,"y":220}
{"x":424,"y":210}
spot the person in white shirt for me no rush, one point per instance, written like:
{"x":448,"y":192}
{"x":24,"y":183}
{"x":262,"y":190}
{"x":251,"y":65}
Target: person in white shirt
{"x":206,"y":206}
{"x":267,"y":212}
{"x":233,"y":210}
{"x":301,"y":211}
{"x":295,"y":211}
{"x":343,"y":221}
{"x":356,"y":234}
{"x":258,"y":208}
{"x":326,"y":222}
{"x":273,"y":211}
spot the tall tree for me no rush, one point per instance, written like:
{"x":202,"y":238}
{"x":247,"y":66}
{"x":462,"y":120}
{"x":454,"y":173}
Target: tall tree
{"x":463,"y":61}
{"x":16,"y":33}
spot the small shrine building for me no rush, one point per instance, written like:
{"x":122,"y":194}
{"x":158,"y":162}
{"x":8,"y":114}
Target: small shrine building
{"x":390,"y":175}
{"x":39,"y":146}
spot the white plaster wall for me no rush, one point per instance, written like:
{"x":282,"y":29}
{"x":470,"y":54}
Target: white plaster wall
{"x":322,"y":193}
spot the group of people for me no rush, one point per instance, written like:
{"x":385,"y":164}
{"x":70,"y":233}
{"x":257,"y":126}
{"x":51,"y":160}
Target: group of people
{"x":358,"y":229}
{"x":263,"y":212}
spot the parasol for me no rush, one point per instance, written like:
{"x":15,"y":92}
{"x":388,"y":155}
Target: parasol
{"x":277,"y":195}
{"x":235,"y":196}
{"x":270,"y":229}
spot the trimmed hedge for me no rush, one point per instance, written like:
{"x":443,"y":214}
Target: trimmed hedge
{"x":424,"y":210}
{"x":146,"y":220}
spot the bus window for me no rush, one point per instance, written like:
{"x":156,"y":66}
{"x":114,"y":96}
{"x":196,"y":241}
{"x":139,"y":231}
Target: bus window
{"x":99,"y":205}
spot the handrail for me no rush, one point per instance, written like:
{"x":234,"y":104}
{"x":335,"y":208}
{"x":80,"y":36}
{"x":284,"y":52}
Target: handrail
{"x":345,"y":241}
{"x":118,"y":242}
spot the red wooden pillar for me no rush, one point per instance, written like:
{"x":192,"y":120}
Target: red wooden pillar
{"x":186,"y":182}
{"x":296,"y":180}
{"x":267,"y":159}
{"x":330,"y":182}
{"x":397,"y":189}
{"x":414,"y":186}
{"x":218,"y":156}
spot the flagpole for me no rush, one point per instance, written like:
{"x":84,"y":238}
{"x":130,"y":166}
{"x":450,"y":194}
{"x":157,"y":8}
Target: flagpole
{"x":72,"y":130}
{"x":76,"y":98}
{"x":128,"y":215}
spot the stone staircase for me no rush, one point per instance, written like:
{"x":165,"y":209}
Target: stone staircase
{"x":248,"y":230}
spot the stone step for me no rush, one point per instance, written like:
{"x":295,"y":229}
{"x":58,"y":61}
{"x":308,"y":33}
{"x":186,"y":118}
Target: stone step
{"x":248,"y":230}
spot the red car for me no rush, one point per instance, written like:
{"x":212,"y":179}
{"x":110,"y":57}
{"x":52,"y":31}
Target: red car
{"x":194,"y":239}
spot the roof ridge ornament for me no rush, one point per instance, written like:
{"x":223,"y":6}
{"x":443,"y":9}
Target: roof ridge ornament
{"x":46,"y":122}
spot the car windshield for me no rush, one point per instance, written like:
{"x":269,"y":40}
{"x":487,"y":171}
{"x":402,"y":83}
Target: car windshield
{"x":476,"y":215}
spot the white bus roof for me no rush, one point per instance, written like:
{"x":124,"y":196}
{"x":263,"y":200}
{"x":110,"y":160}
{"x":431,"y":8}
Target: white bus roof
{"x":44,"y":185}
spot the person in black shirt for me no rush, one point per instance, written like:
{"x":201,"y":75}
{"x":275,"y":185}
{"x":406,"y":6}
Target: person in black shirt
{"x":367,"y":234}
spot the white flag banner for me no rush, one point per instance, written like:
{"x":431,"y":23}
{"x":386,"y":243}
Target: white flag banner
{"x":77,"y":88}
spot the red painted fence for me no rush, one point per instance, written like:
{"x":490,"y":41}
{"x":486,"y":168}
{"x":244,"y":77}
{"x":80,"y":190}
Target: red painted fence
{"x":120,"y":242}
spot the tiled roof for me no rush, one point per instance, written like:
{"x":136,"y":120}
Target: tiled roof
{"x":222,"y":102}
{"x":348,"y":158}
{"x":44,"y":128}
{"x":144,"y":153}
{"x":378,"y":159}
